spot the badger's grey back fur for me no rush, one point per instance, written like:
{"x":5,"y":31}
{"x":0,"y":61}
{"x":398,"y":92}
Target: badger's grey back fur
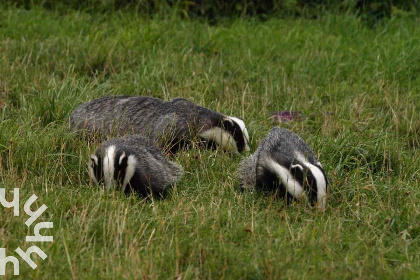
{"x":165,"y":123}
{"x":285,"y":163}
{"x":133,"y":163}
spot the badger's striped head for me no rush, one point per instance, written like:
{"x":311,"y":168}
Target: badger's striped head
{"x":113,"y":167}
{"x":230,"y":134}
{"x":300,"y":178}
{"x":313,"y":178}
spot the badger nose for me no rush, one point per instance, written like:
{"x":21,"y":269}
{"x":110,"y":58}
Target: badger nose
{"x":321,"y":208}
{"x":321,"y":204}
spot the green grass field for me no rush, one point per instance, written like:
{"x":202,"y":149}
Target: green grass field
{"x":358,"y":87}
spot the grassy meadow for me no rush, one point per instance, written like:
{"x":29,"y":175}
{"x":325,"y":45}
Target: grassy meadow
{"x":358,"y":88}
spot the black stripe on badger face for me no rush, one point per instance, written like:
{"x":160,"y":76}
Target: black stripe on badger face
{"x":235,"y":130}
{"x":306,"y":179}
{"x":120,"y":167}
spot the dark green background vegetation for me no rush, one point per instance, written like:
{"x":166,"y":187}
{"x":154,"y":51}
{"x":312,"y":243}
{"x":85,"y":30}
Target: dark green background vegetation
{"x":214,"y":9}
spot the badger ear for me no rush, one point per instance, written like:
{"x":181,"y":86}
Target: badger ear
{"x":122,"y":162}
{"x":232,"y":127}
{"x":94,"y":168}
{"x":122,"y":158}
{"x":298,"y":173}
{"x":94,"y":160}
{"x":228,"y":124}
{"x":293,"y":166}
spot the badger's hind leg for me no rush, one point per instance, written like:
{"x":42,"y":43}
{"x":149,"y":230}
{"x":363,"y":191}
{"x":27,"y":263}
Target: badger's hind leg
{"x":247,"y":173}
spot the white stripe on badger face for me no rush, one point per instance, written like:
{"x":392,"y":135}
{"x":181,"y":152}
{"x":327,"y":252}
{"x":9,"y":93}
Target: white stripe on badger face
{"x":292,"y":186}
{"x":109,"y":169}
{"x":90,"y":168}
{"x":221,"y":137}
{"x":243,"y":129}
{"x":321,"y":182}
{"x":129,"y":172}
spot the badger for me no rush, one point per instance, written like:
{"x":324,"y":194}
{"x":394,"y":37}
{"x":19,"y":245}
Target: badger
{"x":173,"y":123}
{"x":133,"y":164}
{"x":283,"y":162}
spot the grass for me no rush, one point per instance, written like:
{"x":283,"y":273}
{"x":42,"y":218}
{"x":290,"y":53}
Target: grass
{"x":359,"y":89}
